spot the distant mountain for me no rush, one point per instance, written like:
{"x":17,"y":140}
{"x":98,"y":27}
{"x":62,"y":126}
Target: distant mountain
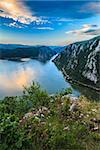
{"x":57,"y":49}
{"x":80,"y":62}
{"x":12,"y":46}
{"x":17,"y":52}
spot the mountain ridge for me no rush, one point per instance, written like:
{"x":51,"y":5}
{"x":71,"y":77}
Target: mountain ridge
{"x":80,"y":62}
{"x":42,"y":53}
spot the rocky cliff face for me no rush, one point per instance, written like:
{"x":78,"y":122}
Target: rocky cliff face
{"x":81,"y":61}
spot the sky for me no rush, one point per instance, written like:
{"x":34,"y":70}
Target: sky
{"x":48,"y":22}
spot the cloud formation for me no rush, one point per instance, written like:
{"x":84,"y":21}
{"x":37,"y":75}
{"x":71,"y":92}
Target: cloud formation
{"x":14,"y":24}
{"x":64,"y":19}
{"x":17,"y":11}
{"x":87,"y":29}
{"x":45,"y":28}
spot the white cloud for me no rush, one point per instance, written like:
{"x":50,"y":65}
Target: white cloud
{"x":86,"y":29}
{"x":45,"y":28}
{"x":17,"y":11}
{"x":14,"y":24}
{"x":64,"y":19}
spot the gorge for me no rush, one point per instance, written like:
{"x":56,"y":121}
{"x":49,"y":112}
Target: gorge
{"x":80,"y":62}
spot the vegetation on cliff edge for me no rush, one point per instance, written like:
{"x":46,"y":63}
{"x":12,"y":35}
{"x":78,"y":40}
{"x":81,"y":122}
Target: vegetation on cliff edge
{"x":38,"y":121}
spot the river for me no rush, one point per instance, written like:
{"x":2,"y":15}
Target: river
{"x":14,"y":75}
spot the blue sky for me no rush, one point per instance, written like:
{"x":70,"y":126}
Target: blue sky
{"x":48,"y":22}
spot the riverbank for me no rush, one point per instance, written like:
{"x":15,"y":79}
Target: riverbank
{"x":38,"y":121}
{"x":71,"y":80}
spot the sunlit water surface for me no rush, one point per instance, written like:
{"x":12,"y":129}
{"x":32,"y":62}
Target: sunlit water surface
{"x":14,"y":75}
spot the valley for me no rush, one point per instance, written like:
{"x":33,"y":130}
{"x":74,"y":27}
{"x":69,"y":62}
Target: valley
{"x":77,"y":66}
{"x":49,"y":75}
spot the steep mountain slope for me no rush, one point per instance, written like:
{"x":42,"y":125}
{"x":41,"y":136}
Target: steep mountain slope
{"x":42,"y":53}
{"x":80,"y":62}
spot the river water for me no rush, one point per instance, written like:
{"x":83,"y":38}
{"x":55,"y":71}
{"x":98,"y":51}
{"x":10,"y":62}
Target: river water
{"x":14,"y":75}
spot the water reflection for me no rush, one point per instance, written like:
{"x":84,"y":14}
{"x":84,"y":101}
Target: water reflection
{"x":15,"y":75}
{"x":13,"y":80}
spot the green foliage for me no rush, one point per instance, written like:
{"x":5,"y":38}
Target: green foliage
{"x":8,"y":127}
{"x":40,"y":122}
{"x":66,"y":91}
{"x":36,"y":95}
